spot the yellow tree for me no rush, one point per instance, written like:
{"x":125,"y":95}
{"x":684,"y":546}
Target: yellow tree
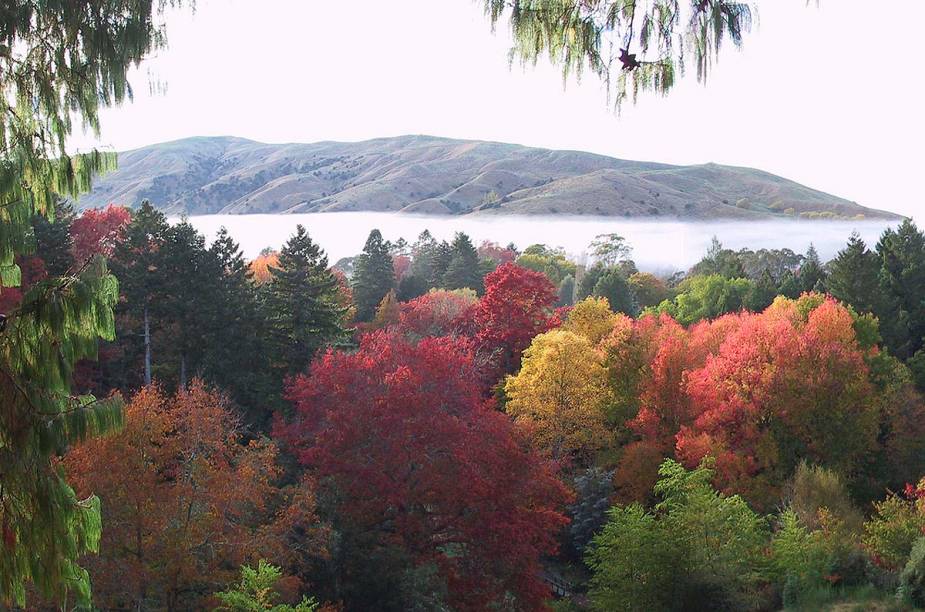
{"x":560,"y":394}
{"x":591,"y":318}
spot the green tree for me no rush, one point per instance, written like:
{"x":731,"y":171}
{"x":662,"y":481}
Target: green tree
{"x":614,"y":286}
{"x":760,"y":294}
{"x":718,"y":260}
{"x":699,"y":549}
{"x":138,"y":262}
{"x":812,"y":273}
{"x":373,"y":276}
{"x":587,"y":279}
{"x":58,"y":61}
{"x":236,"y":357}
{"x":256,"y":592}
{"x":53,"y":239}
{"x":302,"y":304}
{"x":707,"y":297}
{"x":463,"y":271}
{"x":551,"y":262}
{"x":187,"y":289}
{"x":912,"y":578}
{"x":853,"y":276}
{"x":902,"y":282}
{"x":610,"y":249}
{"x":567,"y":291}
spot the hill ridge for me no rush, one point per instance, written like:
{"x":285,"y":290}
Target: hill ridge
{"x":417,"y":173}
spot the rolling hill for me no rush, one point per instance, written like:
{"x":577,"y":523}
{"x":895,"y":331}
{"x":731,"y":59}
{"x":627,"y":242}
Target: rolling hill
{"x":430,"y":175}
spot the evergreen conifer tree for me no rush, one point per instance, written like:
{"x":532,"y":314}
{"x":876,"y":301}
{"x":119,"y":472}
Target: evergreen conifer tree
{"x":761,"y":293}
{"x":302,"y":305}
{"x":463,"y":271}
{"x":236,"y":359}
{"x":137,"y":260}
{"x":59,"y":60}
{"x":902,"y":282}
{"x":853,"y":276}
{"x":812,"y":273}
{"x":373,"y":276}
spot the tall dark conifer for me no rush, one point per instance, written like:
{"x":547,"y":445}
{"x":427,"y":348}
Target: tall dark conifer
{"x":236,"y":359}
{"x":812,"y":273}
{"x":302,"y":305}
{"x":853,"y":276}
{"x":463,"y":270}
{"x":137,"y":260}
{"x":902,"y":281}
{"x":187,"y":287}
{"x":373,"y":276}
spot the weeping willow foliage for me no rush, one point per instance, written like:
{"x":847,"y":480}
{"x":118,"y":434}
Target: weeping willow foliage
{"x":60,"y":62}
{"x":633,"y":45}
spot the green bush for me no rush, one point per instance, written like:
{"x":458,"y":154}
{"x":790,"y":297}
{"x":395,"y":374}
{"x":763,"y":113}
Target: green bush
{"x":890,"y":534}
{"x":256,"y":592}
{"x":698,"y":549}
{"x":912,"y":578}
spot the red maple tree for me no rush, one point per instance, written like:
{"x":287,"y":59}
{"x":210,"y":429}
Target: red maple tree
{"x":400,"y":430}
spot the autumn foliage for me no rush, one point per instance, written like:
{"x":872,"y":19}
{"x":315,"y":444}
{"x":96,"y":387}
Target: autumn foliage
{"x":400,"y":429}
{"x":97,"y":231}
{"x":517,"y":306}
{"x":783,"y":386}
{"x":260,"y":267}
{"x":436,"y":313}
{"x":183,"y":496}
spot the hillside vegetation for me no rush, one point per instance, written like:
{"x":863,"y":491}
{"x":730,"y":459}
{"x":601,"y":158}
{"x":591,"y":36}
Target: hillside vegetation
{"x":428,"y":175}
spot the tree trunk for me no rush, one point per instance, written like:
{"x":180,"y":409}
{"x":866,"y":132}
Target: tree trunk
{"x":147,"y":348}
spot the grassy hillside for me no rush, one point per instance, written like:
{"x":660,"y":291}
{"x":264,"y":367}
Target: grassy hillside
{"x":424,"y":174}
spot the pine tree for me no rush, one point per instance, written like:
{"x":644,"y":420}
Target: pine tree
{"x":588,"y":279}
{"x":412,"y":286}
{"x":187,"y":291}
{"x":236,"y":359}
{"x":853,"y":276}
{"x":137,"y":261}
{"x":302,"y":304}
{"x":902,"y":281}
{"x":59,"y":60}
{"x":463,"y":271}
{"x":373,"y":276}
{"x":812,"y":273}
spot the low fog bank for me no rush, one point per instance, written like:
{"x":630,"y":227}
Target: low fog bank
{"x":658,"y":246}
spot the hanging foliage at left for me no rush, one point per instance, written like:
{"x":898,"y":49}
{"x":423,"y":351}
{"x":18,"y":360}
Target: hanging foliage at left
{"x":60,"y":62}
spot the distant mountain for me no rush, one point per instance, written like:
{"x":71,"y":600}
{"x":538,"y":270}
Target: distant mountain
{"x":428,"y":175}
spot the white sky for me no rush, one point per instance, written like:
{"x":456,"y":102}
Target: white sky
{"x":832,"y":97}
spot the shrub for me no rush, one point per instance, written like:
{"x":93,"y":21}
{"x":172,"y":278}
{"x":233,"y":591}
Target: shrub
{"x":893,"y":530}
{"x":699,"y":549}
{"x":816,"y":488}
{"x":256,"y":592}
{"x":912,"y":578}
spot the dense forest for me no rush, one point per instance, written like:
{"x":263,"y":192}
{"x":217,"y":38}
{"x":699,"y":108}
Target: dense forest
{"x":444,"y":426}
{"x":436,"y":425}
